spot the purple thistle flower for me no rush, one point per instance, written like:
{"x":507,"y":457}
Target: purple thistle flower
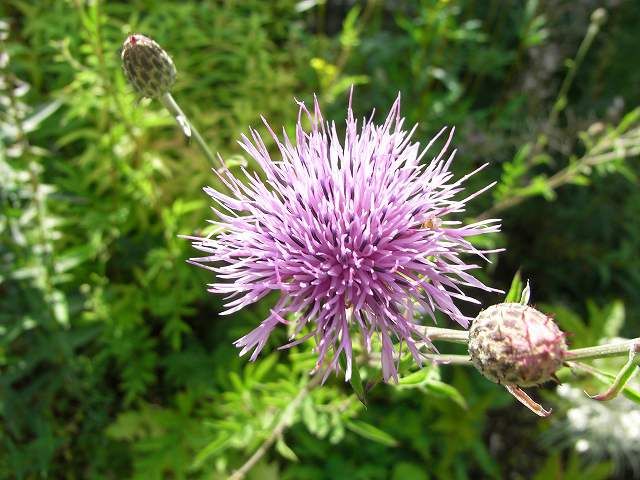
{"x":350,"y":234}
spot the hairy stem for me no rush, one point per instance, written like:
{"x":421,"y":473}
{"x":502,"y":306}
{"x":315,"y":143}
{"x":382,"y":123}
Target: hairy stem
{"x":189,"y":130}
{"x":438,"y":334}
{"x":619,"y":349}
{"x":448,"y":359}
{"x":450,"y":335}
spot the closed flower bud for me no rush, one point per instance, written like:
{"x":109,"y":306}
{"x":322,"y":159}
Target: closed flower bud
{"x":514,"y":344}
{"x":599,"y":16}
{"x":147,"y":66}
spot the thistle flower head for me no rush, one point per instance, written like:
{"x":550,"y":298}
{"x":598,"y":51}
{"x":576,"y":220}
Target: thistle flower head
{"x":147,"y":66}
{"x":354,"y":234}
{"x":514,"y":344}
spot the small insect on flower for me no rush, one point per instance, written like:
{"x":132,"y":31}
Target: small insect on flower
{"x":432,"y":223}
{"x":353,"y":234}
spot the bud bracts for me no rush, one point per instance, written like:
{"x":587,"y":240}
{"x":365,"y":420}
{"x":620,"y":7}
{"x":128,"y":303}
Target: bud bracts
{"x":147,"y":66}
{"x":515,"y":344}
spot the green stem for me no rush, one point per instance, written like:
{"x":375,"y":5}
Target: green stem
{"x":602,"y":351}
{"x":445,"y":334}
{"x":448,"y":359}
{"x":597,"y":19}
{"x":604,"y":377}
{"x":437,"y":334}
{"x":623,"y":375}
{"x":189,"y":130}
{"x":450,"y":335}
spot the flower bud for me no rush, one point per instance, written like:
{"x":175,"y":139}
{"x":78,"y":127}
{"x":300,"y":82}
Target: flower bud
{"x":599,"y":16}
{"x":514,"y":344}
{"x":147,"y":66}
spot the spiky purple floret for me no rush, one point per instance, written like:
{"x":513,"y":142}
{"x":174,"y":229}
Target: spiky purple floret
{"x":350,"y":234}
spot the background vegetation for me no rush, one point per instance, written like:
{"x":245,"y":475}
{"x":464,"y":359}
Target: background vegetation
{"x":113,"y":360}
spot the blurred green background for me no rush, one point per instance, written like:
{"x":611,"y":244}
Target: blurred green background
{"x":113,"y":360}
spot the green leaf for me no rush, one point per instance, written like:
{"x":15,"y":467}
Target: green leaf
{"x":60,"y":308}
{"x":441,"y":389}
{"x":485,"y":460}
{"x":310,"y":415}
{"x":415,"y":378}
{"x":628,"y":120}
{"x":409,"y":471}
{"x":614,"y":320}
{"x":370,"y":432}
{"x":264,"y":471}
{"x":624,"y":375}
{"x":211,"y":449}
{"x":605,"y":322}
{"x":349,"y":37}
{"x":264,"y":366}
{"x":551,"y":468}
{"x":607,"y":377}
{"x":73,"y":257}
{"x":284,"y":450}
{"x":31,"y":124}
{"x":128,"y":426}
{"x":515,"y":291}
{"x":631,"y":394}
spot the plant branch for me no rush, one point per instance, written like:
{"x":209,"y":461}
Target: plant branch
{"x":448,"y":359}
{"x":566,"y":175}
{"x":598,"y":18}
{"x":619,"y":349}
{"x":623,"y":375}
{"x":438,"y":334}
{"x":279,"y":428}
{"x":594,"y":157}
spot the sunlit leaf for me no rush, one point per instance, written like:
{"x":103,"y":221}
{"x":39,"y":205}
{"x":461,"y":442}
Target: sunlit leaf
{"x":370,"y":432}
{"x":283,"y":449}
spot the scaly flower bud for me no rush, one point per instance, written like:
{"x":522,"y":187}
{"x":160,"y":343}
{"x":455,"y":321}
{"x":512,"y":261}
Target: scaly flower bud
{"x":514,"y":344}
{"x":147,"y":66}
